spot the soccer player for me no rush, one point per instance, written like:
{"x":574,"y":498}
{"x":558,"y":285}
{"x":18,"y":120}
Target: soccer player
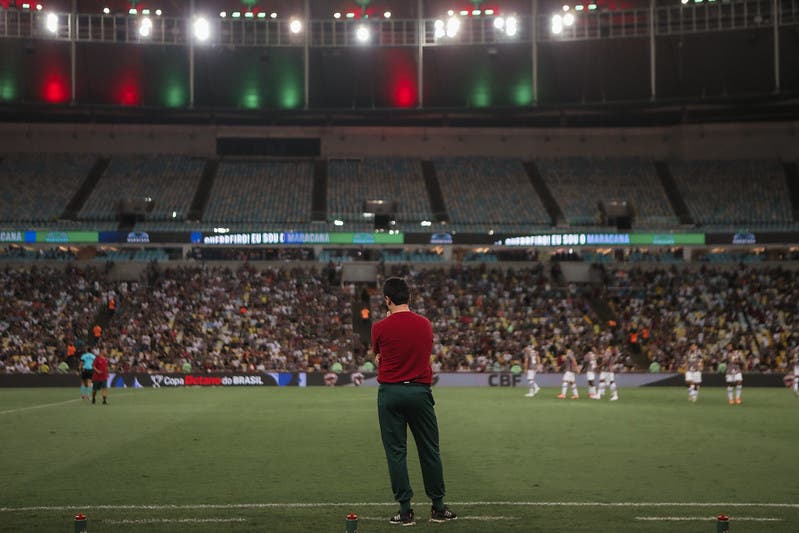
{"x":86,"y":362}
{"x":734,"y":374}
{"x":99,"y":377}
{"x":796,"y":371}
{"x":607,"y":375}
{"x":404,"y":342}
{"x":693,"y":372}
{"x":530,"y":365}
{"x":570,"y":369}
{"x":591,"y":367}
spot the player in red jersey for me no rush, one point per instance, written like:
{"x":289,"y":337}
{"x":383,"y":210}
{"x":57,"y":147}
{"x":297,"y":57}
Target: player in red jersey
{"x":100,"y":377}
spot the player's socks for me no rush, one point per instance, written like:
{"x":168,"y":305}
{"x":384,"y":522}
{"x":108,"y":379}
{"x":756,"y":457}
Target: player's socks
{"x":601,"y":388}
{"x":613,"y":390}
{"x":729,"y":393}
{"x":82,"y":392}
{"x":575,"y":394}
{"x":738,"y":391}
{"x":592,"y":392}
{"x":563,"y":389}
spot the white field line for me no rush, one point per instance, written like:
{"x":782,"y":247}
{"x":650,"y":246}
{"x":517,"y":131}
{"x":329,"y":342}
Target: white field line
{"x":706,"y":518}
{"x":460,"y":517}
{"x":356,"y":505}
{"x":175,"y":521}
{"x":39,"y":406}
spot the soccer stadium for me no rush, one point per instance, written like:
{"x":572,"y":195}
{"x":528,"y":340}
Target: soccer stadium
{"x":245,"y":245}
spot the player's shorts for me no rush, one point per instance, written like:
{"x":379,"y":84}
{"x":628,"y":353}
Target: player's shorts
{"x":568,"y":376}
{"x":693,"y":377}
{"x":531,"y":375}
{"x":86,"y":374}
{"x":99,"y":385}
{"x":734,"y":378}
{"x":796,"y":371}
{"x":590,"y":375}
{"x":607,"y":376}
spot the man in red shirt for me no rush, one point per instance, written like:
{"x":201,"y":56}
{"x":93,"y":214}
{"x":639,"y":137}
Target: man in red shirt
{"x":403,"y":343}
{"x":99,"y":377}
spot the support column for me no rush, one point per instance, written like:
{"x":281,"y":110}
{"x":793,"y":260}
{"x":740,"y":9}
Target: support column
{"x":775,"y":15}
{"x":306,"y":57}
{"x":652,"y":60}
{"x":190,"y":34}
{"x":73,"y":38}
{"x":420,"y":52}
{"x":534,"y":45}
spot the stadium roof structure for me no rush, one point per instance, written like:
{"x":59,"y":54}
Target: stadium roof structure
{"x":583,"y":64}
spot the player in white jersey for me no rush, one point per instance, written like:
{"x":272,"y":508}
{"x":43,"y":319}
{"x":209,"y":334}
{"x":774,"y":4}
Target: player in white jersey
{"x":531,"y":361}
{"x":693,"y":372}
{"x":606,"y":375}
{"x":796,"y":370}
{"x":591,"y":364}
{"x":570,"y":371}
{"x":734,"y":374}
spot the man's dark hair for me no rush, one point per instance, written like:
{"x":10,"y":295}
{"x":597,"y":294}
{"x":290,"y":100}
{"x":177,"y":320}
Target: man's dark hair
{"x":397,"y":291}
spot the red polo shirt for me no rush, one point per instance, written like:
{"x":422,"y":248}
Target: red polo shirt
{"x":404,"y":341}
{"x":100,"y":369}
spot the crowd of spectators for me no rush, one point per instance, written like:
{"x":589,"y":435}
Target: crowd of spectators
{"x":216,"y":319}
{"x":666,"y":310}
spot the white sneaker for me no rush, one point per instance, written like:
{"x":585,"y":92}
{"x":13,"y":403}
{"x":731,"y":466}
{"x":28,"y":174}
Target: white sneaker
{"x":530,"y":394}
{"x":614,"y":397}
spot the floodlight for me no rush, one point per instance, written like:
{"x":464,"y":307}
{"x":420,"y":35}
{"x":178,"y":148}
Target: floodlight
{"x":476,"y":12}
{"x":236,"y":14}
{"x":39,"y":7}
{"x":51,"y":23}
{"x":295,"y":26}
{"x":158,"y":12}
{"x":579,"y":7}
{"x":222,"y":14}
{"x":362,"y":33}
{"x":566,"y":8}
{"x":202,"y":29}
{"x":145,"y":11}
{"x":439,"y":29}
{"x":273,"y":15}
{"x":453,"y":25}
{"x":489,"y":11}
{"x":132,"y":11}
{"x":557,"y":24}
{"x":511,"y":26}
{"x":338,"y":222}
{"x":145,"y":27}
{"x":249,"y":14}
{"x":387,"y":14}
{"x":568,"y":19}
{"x":261,"y":15}
{"x":499,"y":23}
{"x":106,"y":11}
{"x":336,"y":15}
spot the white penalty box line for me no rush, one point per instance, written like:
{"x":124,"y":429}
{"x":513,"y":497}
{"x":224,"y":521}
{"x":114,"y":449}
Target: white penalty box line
{"x":356,"y":505}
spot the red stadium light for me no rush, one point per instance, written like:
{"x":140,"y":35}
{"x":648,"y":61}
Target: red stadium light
{"x":54,"y":90}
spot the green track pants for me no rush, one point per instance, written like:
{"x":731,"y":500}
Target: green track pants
{"x":400,"y":406}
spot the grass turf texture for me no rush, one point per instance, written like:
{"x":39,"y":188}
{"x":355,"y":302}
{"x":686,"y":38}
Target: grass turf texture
{"x":234,"y":450}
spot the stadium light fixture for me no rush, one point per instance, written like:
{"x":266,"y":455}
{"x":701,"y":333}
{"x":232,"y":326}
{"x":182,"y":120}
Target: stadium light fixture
{"x":158,"y":12}
{"x":261,"y":15}
{"x":453,"y":26}
{"x":439,"y":29}
{"x":362,"y":34}
{"x":557,"y":25}
{"x":133,"y":11}
{"x":106,"y":11}
{"x":336,"y":15}
{"x":236,"y":14}
{"x":683,"y":2}
{"x":222,"y":14}
{"x":568,"y":19}
{"x":145,"y":11}
{"x":592,"y":7}
{"x":425,"y":223}
{"x":51,"y":23}
{"x":145,"y":27}
{"x":476,"y":12}
{"x":26,"y":6}
{"x":39,"y":7}
{"x":249,"y":14}
{"x":579,"y":7}
{"x":387,"y":14}
{"x":499,"y":23}
{"x":450,"y":13}
{"x":350,"y":15}
{"x":273,"y":15}
{"x":511,"y":26}
{"x":338,"y":222}
{"x":489,"y":12}
{"x":295,"y":26}
{"x":202,"y":29}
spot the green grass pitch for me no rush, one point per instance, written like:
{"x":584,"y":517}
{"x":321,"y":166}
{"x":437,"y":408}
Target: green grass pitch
{"x":290,"y":459}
